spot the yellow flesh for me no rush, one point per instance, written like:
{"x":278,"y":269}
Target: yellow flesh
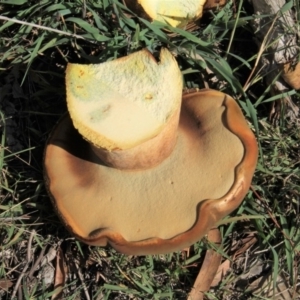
{"x":118,"y":104}
{"x":173,"y":12}
{"x":111,"y":117}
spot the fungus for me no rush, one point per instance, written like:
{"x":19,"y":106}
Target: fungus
{"x":130,"y":115}
{"x":170,"y":199}
{"x":291,"y":75}
{"x":177,"y":13}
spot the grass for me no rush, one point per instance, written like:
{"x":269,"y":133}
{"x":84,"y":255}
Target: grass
{"x":38,"y":39}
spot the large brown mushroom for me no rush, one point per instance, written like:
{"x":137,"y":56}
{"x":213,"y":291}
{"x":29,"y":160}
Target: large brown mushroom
{"x":168,"y":203}
{"x":177,"y":13}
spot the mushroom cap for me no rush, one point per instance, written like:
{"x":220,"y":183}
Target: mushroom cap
{"x":177,"y":13}
{"x":164,"y":208}
{"x":210,"y":4}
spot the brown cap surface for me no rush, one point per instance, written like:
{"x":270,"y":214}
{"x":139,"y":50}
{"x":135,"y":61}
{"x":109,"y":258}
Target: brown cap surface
{"x":209,"y":4}
{"x":161,"y":209}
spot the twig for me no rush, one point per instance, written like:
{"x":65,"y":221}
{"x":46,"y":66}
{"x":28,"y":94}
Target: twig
{"x":124,"y":274}
{"x":82,"y":282}
{"x":11,"y":219}
{"x":60,"y":275}
{"x":20,"y":293}
{"x":36,"y":263}
{"x":16,"y":287}
{"x":46,"y":28}
{"x":259,"y":54}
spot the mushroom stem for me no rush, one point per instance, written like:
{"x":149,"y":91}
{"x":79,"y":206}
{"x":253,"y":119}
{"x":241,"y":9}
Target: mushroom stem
{"x":145,"y":155}
{"x":208,"y":269}
{"x":127,"y":109}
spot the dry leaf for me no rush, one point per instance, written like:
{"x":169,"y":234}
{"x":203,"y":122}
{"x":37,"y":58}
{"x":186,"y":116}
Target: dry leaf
{"x":244,"y":245}
{"x":222,"y":270}
{"x":60,"y":275}
{"x":5,"y":284}
{"x":47,"y":274}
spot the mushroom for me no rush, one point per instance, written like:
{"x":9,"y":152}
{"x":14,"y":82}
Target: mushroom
{"x":168,"y":203}
{"x":131,"y":88}
{"x":291,"y":75}
{"x":177,"y":13}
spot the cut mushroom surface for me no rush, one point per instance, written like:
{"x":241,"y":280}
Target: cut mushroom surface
{"x":163,"y":208}
{"x":99,"y":95}
{"x":177,"y":13}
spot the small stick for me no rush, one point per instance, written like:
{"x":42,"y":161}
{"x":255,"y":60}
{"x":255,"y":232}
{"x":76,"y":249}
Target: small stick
{"x":30,"y":275}
{"x":20,"y":293}
{"x":82,"y":282}
{"x":15,"y":290}
{"x":74,"y":35}
{"x":83,"y":9}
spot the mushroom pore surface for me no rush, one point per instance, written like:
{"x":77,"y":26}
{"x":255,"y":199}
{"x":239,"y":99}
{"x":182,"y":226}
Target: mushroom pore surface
{"x":159,"y":202}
